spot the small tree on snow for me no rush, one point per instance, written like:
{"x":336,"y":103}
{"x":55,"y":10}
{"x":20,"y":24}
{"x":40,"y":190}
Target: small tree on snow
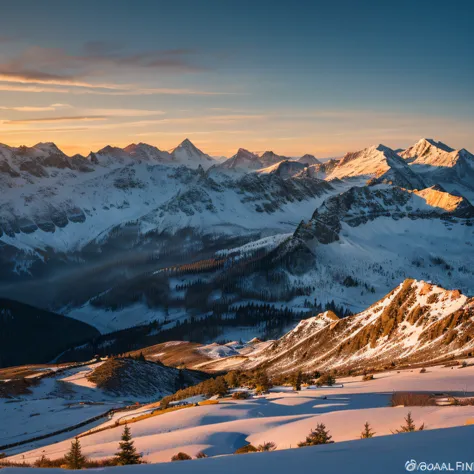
{"x":409,"y":425}
{"x":367,"y":433}
{"x":127,"y":453}
{"x":319,"y":436}
{"x":297,"y":379}
{"x":74,"y":458}
{"x":326,"y":379}
{"x":266,"y":446}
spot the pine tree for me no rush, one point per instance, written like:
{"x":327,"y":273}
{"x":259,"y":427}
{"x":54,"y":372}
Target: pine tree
{"x":262,"y":382}
{"x":326,"y":379}
{"x":220,"y":386}
{"x":367,"y":433}
{"x":410,"y":425}
{"x":74,"y":458}
{"x":319,"y":436}
{"x":232,"y":379}
{"x":127,"y":453}
{"x":297,"y":379}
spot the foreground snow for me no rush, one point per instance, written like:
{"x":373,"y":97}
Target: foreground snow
{"x":283,"y":416}
{"x":388,"y":454}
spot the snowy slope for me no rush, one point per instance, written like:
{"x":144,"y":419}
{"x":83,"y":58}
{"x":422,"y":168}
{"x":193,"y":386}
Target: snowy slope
{"x":380,"y":163}
{"x":285,"y":169}
{"x":67,"y":210}
{"x":417,"y":322}
{"x":439,"y":163}
{"x":286,"y":417}
{"x":448,"y":446}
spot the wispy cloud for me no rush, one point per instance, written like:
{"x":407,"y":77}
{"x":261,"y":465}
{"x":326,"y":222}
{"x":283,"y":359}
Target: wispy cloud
{"x":90,"y":114}
{"x":209,"y":119}
{"x":77,"y":118}
{"x":37,"y":77}
{"x":129,"y":90}
{"x":40,"y":69}
{"x":28,"y":109}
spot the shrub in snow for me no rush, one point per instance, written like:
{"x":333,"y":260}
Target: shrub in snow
{"x":248,"y":448}
{"x":367,"y":377}
{"x":266,"y":446}
{"x":240,"y":395}
{"x":181,"y":457}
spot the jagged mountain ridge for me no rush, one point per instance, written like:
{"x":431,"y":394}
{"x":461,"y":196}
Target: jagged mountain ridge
{"x":362,"y":204}
{"x":137,"y":202}
{"x":439,"y":163}
{"x":379,"y":163}
{"x":417,"y":322}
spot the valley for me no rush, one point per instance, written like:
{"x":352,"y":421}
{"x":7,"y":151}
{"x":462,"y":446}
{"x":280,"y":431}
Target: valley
{"x":202,"y":302}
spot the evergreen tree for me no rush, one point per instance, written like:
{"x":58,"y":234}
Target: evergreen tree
{"x":74,"y":458}
{"x":262,"y":382}
{"x":127,"y":453}
{"x":297,"y":379}
{"x":410,"y":425}
{"x":220,"y":386}
{"x":367,"y":433}
{"x":319,"y":436}
{"x":141,"y":357}
{"x":232,"y":379}
{"x":326,"y":379}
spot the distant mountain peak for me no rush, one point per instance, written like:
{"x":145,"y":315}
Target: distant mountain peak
{"x":48,"y":148}
{"x":426,"y":142}
{"x":187,"y":143}
{"x":190,"y":155}
{"x":243,"y":160}
{"x":309,"y":159}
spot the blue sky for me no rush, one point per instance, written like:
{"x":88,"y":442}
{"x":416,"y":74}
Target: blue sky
{"x":295,"y":77}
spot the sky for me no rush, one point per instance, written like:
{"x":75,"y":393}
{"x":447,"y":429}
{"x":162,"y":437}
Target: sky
{"x":293,"y":77}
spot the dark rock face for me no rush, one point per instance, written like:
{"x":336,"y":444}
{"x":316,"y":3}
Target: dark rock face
{"x":360,"y":205}
{"x":6,"y":168}
{"x":34,"y":168}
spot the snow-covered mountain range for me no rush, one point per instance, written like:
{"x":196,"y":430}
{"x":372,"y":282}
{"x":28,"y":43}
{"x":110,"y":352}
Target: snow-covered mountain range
{"x":92,"y":236}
